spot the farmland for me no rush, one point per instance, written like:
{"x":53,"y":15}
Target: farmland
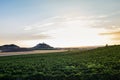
{"x":98,"y":64}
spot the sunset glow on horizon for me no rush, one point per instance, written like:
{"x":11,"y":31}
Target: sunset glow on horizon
{"x":64,"y":23}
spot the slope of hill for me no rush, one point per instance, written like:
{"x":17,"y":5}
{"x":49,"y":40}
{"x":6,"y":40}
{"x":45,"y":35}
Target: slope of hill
{"x":98,"y":64}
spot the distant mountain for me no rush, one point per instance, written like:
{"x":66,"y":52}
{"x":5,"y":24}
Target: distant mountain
{"x":15,"y":48}
{"x":42,"y":46}
{"x":12,"y":48}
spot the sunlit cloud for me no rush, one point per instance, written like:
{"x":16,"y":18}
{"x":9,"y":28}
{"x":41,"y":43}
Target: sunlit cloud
{"x":98,"y":21}
{"x":25,"y":37}
{"x":61,"y":21}
{"x":109,"y":21}
{"x":115,"y":35}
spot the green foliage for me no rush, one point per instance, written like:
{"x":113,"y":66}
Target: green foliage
{"x":98,"y":64}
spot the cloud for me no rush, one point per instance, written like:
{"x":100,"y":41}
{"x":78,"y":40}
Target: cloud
{"x":34,"y":37}
{"x":109,"y":21}
{"x":104,"y":21}
{"x":111,"y":33}
{"x":112,"y":27}
{"x":114,"y":13}
{"x":51,"y":25}
{"x":60,"y":22}
{"x":114,"y":35}
{"x":24,"y":36}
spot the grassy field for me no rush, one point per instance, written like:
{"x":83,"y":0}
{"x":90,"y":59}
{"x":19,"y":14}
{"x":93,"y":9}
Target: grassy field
{"x":98,"y":64}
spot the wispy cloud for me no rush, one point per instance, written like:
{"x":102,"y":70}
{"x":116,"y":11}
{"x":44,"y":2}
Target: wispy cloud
{"x":98,"y":21}
{"x":60,"y":21}
{"x":109,"y":21}
{"x":111,"y":33}
{"x":42,"y":29}
{"x":115,"y":35}
{"x":24,"y":36}
{"x":113,"y":14}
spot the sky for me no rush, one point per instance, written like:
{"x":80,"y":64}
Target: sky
{"x":60,"y":23}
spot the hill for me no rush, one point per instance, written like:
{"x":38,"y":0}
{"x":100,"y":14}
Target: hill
{"x":15,"y":48}
{"x":42,"y":46}
{"x":98,"y":64}
{"x":7,"y":48}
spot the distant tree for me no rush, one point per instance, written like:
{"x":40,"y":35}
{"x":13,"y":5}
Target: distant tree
{"x":106,"y":45}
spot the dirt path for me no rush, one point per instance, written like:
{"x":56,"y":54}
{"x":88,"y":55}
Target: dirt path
{"x":30,"y":52}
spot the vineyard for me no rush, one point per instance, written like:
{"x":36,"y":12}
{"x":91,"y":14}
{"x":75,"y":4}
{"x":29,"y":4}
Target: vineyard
{"x":98,"y":64}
